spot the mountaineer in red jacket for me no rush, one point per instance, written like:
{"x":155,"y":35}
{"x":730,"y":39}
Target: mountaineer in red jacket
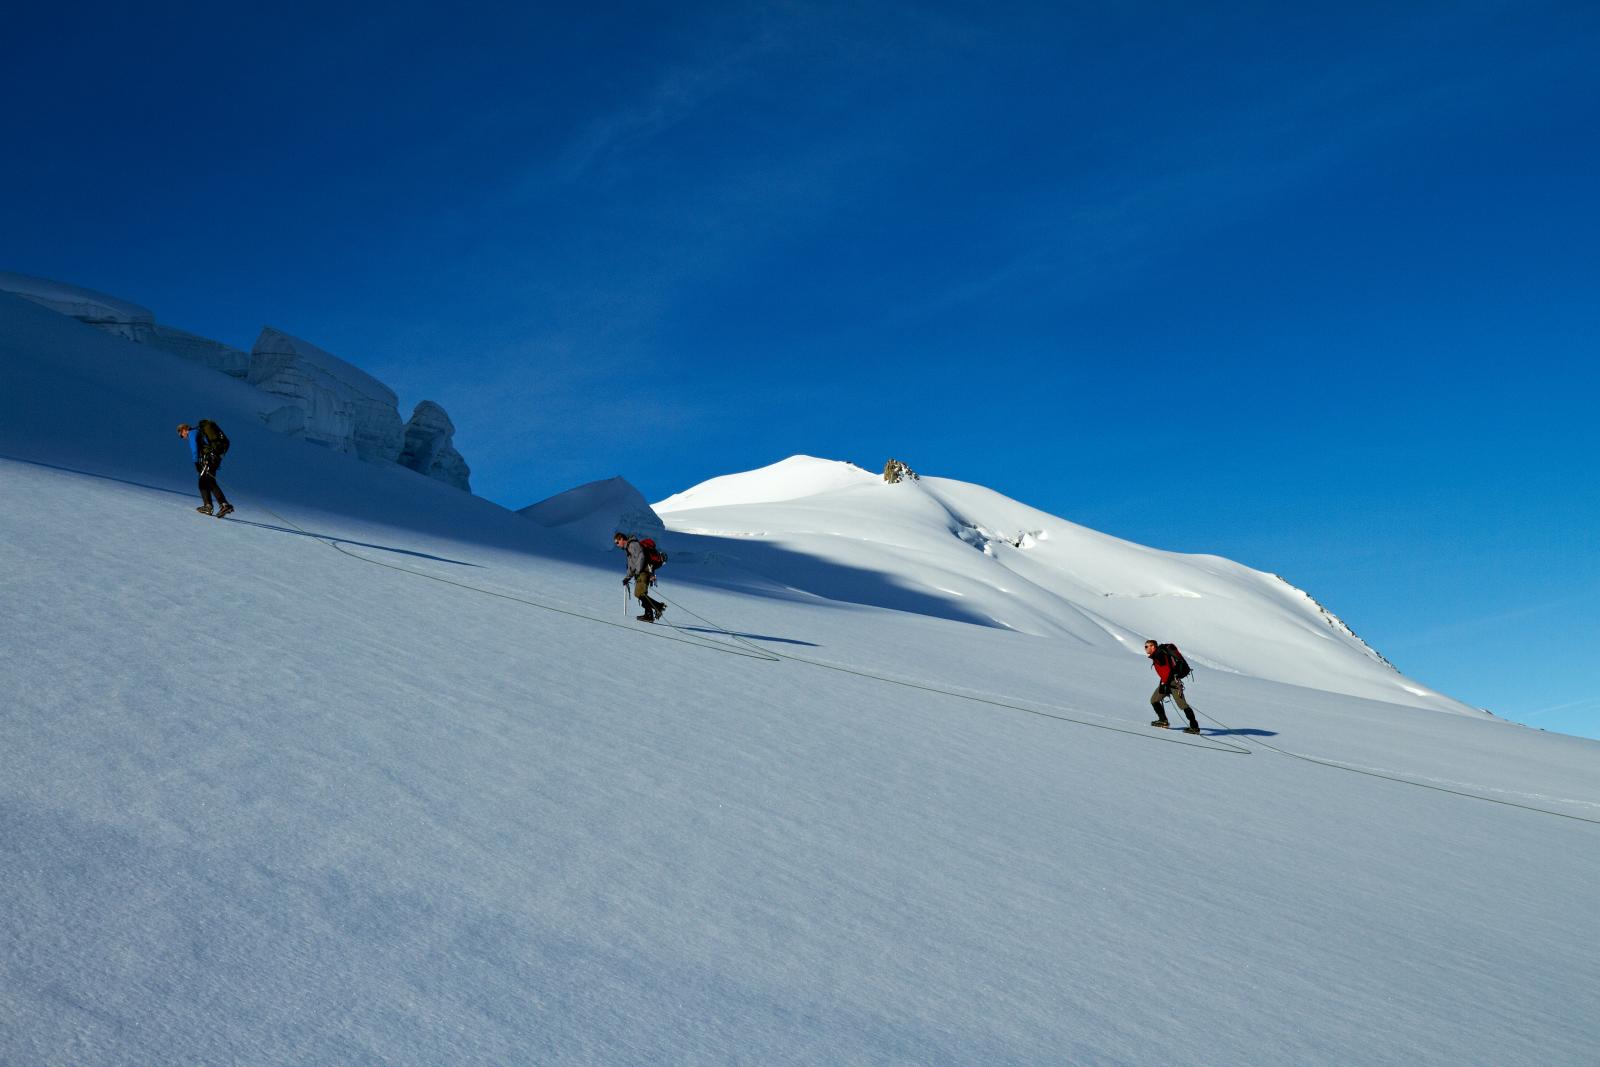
{"x":1170,"y":668}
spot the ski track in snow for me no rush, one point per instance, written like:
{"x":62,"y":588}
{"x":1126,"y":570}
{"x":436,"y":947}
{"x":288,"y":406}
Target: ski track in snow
{"x":1474,"y":787}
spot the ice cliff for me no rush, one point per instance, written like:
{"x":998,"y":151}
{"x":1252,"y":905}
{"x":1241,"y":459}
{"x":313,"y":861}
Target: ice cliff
{"x":345,"y":408}
{"x":214,"y":354}
{"x":325,"y":400}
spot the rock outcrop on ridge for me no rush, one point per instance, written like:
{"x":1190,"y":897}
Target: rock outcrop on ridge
{"x":896,"y":471}
{"x":429,"y":447}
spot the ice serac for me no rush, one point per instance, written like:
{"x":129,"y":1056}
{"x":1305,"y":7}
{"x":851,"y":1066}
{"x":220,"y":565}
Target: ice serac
{"x":114,"y":316}
{"x":429,"y":447}
{"x":591,"y":513}
{"x":345,"y":408}
{"x":214,"y":354}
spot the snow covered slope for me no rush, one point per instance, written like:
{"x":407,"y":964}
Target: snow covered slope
{"x":383,"y":773}
{"x":963,"y":551}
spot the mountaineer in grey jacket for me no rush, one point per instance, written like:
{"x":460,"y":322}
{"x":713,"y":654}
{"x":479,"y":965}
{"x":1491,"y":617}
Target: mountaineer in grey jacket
{"x":641,"y":574}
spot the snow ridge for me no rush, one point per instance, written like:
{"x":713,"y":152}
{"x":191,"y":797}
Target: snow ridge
{"x":1338,"y":625}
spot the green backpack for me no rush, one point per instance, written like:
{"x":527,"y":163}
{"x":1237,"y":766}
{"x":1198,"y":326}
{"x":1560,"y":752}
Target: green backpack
{"x":212,"y":438}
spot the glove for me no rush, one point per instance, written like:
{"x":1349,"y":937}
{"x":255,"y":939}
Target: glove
{"x":626,"y":579}
{"x":652,"y":579}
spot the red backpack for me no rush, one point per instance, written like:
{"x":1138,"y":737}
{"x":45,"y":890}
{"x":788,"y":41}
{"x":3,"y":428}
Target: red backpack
{"x":654,"y":558}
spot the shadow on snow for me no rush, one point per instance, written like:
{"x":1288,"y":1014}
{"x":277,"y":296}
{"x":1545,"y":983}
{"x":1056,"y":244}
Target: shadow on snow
{"x":189,"y":494}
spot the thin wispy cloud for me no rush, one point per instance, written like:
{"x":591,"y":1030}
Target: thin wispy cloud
{"x":1591,"y":703}
{"x":1107,"y":227}
{"x":1484,"y":623}
{"x":611,"y":139}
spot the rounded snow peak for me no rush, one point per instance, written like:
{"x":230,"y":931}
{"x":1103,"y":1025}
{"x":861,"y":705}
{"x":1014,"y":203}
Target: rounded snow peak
{"x":787,"y":479}
{"x":591,"y":513}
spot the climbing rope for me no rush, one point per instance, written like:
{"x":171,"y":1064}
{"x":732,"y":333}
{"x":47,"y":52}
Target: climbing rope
{"x":743,"y":648}
{"x":1371,"y":773}
{"x":752,"y":651}
{"x":1210,"y":743}
{"x":715,"y":646}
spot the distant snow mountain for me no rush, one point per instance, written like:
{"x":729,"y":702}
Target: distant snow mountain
{"x":590,"y":514}
{"x":962,"y":551}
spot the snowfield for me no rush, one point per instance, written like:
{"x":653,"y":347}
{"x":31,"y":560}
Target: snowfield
{"x":381,"y":772}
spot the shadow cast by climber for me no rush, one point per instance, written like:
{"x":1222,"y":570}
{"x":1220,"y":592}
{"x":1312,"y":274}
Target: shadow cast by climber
{"x":749,"y":637}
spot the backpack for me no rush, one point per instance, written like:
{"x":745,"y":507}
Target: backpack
{"x":654,"y":558}
{"x":216,"y":440}
{"x":1180,"y":666}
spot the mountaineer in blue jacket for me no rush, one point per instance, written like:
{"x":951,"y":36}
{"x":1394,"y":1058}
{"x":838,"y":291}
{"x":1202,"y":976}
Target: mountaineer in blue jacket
{"x":207,"y":443}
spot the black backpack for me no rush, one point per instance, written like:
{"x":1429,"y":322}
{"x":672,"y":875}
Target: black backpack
{"x":215,"y":440}
{"x":1180,"y":666}
{"x":654,"y":558}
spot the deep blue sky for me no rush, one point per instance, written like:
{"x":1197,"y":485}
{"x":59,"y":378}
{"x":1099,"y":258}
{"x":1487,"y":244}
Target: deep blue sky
{"x":1317,"y":291}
